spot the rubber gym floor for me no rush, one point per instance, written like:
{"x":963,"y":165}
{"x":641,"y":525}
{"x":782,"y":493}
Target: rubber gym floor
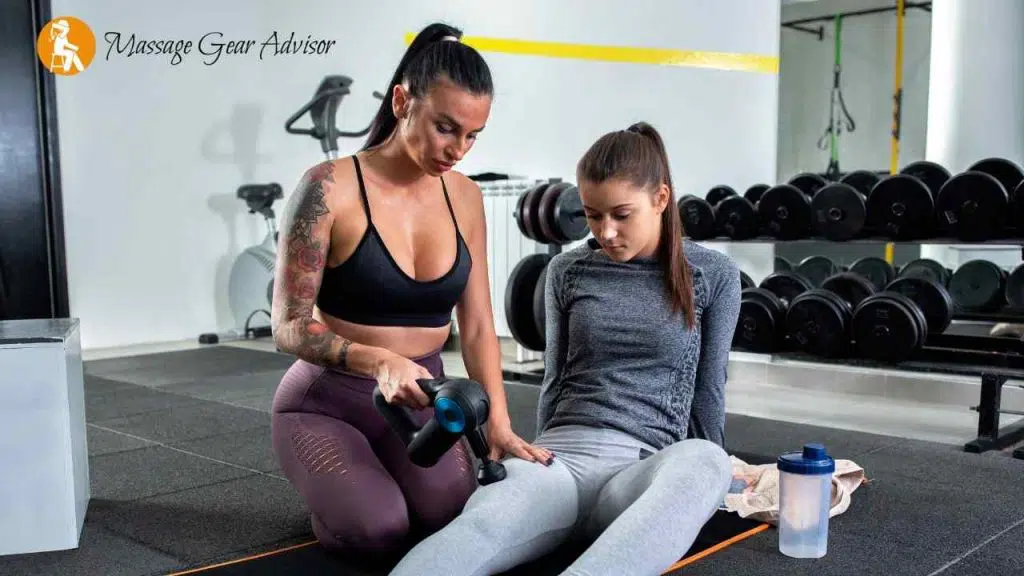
{"x":183,"y":480}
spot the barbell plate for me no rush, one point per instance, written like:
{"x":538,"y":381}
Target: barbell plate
{"x":697,"y":216}
{"x":518,"y":214}
{"x":816,"y":325}
{"x":755,"y":192}
{"x":927,"y":267}
{"x":875,"y":270}
{"x":852,"y":288}
{"x":978,"y":286}
{"x":519,"y":293}
{"x":816,"y":269}
{"x":785,"y":212}
{"x":972,"y":206}
{"x":884,"y":328}
{"x":546,"y":214}
{"x":570,"y":220}
{"x":933,"y":175}
{"x":901,"y":207}
{"x":782,"y":264}
{"x":808,"y":182}
{"x":862,"y":180}
{"x":786,"y":285}
{"x":931,"y":297}
{"x":736,"y":218}
{"x":719,"y":193}
{"x":529,"y":211}
{"x":539,"y":311}
{"x":1015,"y":288}
{"x":759,"y":326}
{"x":840,"y":211}
{"x":1006,"y":171}
{"x":1017,"y":198}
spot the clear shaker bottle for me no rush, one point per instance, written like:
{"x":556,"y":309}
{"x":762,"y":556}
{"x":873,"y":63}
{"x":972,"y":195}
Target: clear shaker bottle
{"x":805,"y":496}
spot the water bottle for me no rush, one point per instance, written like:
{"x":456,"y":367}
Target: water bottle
{"x":805,"y":496}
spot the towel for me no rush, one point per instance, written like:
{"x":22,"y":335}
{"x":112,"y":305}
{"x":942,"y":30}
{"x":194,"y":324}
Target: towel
{"x":754,"y":492}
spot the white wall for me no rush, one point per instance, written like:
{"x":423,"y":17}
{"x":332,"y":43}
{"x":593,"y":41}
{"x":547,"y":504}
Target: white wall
{"x":868,"y":64}
{"x":152,"y":153}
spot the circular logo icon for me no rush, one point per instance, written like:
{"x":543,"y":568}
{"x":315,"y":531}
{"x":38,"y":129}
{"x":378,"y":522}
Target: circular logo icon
{"x":66,"y":46}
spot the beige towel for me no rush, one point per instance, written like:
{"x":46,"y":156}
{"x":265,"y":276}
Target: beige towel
{"x":755,"y":489}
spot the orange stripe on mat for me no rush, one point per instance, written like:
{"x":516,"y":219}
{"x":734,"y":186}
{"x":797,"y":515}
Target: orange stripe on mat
{"x":246,"y":559}
{"x":723,"y":544}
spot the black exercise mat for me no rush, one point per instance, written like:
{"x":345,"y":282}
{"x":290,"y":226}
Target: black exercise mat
{"x":314,"y":559}
{"x":163,"y":368}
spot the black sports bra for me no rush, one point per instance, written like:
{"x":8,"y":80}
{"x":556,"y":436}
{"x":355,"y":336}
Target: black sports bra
{"x":370,"y":288}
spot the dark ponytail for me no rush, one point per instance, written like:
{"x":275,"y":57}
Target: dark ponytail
{"x":435,"y":51}
{"x":638,"y":155}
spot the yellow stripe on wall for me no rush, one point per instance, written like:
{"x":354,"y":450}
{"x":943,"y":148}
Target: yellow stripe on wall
{"x":657,"y":56}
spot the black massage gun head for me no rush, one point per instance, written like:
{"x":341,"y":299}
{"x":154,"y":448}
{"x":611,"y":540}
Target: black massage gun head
{"x":469,"y":395}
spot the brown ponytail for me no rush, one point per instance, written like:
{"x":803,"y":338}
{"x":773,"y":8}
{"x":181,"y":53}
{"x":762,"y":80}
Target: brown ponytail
{"x":638,"y":156}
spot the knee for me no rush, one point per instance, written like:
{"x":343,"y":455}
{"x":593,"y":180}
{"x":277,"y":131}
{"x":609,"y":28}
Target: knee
{"x":710,"y":459}
{"x":381,"y":531}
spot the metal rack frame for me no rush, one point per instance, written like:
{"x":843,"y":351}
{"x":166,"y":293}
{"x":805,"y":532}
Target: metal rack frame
{"x":798,"y":24}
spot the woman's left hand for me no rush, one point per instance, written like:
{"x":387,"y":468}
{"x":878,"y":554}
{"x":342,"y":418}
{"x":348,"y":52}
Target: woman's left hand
{"x":504,"y":441}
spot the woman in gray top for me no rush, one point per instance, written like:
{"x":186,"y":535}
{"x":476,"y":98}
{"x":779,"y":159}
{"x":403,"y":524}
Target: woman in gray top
{"x":639,"y":326}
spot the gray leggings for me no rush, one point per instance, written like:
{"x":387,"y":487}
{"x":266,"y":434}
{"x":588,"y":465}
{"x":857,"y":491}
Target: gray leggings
{"x":641,"y":508}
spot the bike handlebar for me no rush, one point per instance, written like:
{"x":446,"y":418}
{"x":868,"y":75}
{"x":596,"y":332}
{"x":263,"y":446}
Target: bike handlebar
{"x":323,"y":108}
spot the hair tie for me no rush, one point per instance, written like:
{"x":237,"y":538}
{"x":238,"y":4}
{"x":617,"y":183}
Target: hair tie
{"x":449,"y":39}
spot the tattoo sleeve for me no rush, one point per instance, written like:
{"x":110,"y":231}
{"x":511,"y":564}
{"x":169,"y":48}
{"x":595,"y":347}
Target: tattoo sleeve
{"x":301,"y":256}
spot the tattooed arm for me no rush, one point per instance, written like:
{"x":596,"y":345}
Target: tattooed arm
{"x":305,"y":238}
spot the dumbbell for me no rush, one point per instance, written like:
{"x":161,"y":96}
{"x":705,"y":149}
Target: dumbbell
{"x":902,"y":206}
{"x":761,"y":324}
{"x":1015,"y":289}
{"x":745,"y":281}
{"x":979,"y":286}
{"x":928,"y":268}
{"x":819,"y":320}
{"x":817,"y":269}
{"x":877,"y":270}
{"x":785,"y":209}
{"x":551,"y":213}
{"x":981,"y":203}
{"x":840,"y":208}
{"x":722,"y":213}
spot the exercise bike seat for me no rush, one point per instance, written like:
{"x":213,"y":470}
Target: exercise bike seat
{"x":259,"y":197}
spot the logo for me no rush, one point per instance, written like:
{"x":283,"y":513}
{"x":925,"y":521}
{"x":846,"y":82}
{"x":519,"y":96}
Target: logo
{"x":66,"y":46}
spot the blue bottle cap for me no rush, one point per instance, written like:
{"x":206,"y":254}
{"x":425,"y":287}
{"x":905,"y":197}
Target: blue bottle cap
{"x":814,"y":460}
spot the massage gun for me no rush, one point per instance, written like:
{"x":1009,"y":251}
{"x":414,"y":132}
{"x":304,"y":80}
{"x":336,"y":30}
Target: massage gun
{"x":461,"y":408}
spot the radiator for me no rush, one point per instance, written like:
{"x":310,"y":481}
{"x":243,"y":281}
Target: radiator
{"x":506,"y":245}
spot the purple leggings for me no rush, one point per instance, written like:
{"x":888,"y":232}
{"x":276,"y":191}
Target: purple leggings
{"x":364,"y":495}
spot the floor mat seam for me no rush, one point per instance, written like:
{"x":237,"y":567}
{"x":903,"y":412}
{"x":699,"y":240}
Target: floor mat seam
{"x":977,"y":548}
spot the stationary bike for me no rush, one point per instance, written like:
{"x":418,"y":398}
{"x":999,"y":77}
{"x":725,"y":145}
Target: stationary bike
{"x":251,"y":282}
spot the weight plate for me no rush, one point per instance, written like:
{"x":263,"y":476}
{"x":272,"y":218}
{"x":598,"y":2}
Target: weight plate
{"x":785,"y":212}
{"x":782,"y":264}
{"x":522,"y":284}
{"x":786,"y":285}
{"x":816,"y":269}
{"x":932,"y":298}
{"x":735,"y":217}
{"x":915,"y":311}
{"x":755,"y":192}
{"x":518,"y":214}
{"x":839,"y":212}
{"x":1017,"y":198}
{"x":808,"y":182}
{"x":758,"y":328}
{"x":546,"y":213}
{"x":932,"y":174}
{"x":928,"y":268}
{"x":719,"y":193}
{"x":884,"y":328}
{"x":978,"y":286}
{"x":875,"y":270}
{"x":746,"y":281}
{"x":901,"y":207}
{"x":862,"y":180}
{"x":1015,"y":288}
{"x":529,"y":212}
{"x":570,"y":220}
{"x":539,"y":311}
{"x":816,"y":325}
{"x":697,"y":217}
{"x":972,"y":206}
{"x":1006,"y":171}
{"x":851,"y":288}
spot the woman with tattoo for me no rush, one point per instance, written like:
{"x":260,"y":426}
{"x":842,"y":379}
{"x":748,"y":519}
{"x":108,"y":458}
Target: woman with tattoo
{"x":375,"y":252}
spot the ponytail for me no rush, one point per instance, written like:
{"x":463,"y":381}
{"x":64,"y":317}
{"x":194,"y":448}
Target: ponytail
{"x":436,"y":51}
{"x":638,"y":156}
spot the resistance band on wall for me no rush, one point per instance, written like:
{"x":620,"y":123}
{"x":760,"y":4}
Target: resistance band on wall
{"x":830,"y":139}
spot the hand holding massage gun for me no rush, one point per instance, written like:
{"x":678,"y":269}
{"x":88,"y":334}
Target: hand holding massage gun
{"x":460,"y":407}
